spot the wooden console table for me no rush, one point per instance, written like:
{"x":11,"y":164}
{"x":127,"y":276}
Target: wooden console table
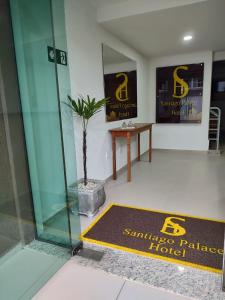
{"x":128,"y":133}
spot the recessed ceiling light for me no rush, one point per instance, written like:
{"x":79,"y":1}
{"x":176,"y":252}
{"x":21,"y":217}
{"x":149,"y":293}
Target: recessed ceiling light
{"x":188,"y":37}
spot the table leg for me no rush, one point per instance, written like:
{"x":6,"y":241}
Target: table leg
{"x":139,"y":147}
{"x":150,"y":145}
{"x":128,"y":157}
{"x":114,"y":156}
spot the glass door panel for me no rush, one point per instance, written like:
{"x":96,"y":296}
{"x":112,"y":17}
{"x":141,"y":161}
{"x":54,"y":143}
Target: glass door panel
{"x":9,"y":236}
{"x":40,"y":98}
{"x":58,"y":13}
{"x":24,"y":265}
{"x":16,"y":211}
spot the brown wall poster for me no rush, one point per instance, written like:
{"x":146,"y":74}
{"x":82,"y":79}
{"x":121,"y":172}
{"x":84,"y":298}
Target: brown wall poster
{"x":179,"y":92}
{"x":122,"y":89}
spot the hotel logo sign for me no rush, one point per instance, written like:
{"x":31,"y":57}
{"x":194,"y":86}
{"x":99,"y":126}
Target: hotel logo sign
{"x":121,"y":89}
{"x":173,"y":228}
{"x":179,"y":91}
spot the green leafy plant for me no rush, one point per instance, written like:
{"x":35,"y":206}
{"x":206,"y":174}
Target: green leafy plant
{"x":86,"y":108}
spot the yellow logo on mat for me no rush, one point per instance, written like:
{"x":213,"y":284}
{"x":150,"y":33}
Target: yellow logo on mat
{"x":122,"y":90}
{"x":183,"y":86}
{"x":172,"y":228}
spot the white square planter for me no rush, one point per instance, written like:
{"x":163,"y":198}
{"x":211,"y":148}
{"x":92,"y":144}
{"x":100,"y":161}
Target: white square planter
{"x":89,"y":200}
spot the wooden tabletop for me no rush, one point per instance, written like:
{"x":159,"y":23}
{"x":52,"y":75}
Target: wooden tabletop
{"x":137,"y":126}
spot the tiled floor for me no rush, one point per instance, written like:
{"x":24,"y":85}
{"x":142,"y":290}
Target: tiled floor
{"x":76,"y":282}
{"x":134,"y":291}
{"x":176,"y":181}
{"x":25,"y":272}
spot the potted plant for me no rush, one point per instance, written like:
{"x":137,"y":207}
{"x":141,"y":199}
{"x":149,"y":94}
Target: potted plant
{"x":91,"y":192}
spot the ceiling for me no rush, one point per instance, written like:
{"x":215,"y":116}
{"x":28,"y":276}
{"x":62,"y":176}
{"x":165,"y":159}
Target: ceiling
{"x":161,"y":32}
{"x":111,"y":56}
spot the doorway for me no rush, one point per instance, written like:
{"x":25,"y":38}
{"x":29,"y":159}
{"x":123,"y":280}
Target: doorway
{"x":218,"y":95}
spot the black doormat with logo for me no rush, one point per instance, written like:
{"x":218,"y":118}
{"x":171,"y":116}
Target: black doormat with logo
{"x":182,"y":239}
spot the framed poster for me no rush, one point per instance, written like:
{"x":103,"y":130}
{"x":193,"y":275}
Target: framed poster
{"x":179,"y":92}
{"x":121,"y":88}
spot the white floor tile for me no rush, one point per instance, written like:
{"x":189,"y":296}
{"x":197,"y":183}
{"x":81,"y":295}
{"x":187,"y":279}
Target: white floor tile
{"x":183,"y":182}
{"x":81,"y":283}
{"x":135,"y":291}
{"x":26,"y":268}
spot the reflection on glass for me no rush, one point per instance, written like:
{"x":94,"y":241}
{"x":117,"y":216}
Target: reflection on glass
{"x":16,"y":211}
{"x":24,"y":265}
{"x":39,"y":98}
{"x":120,"y":80}
{"x":67,"y":120}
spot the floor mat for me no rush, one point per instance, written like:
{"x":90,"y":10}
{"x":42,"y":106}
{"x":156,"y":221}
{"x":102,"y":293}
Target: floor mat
{"x":182,"y":239}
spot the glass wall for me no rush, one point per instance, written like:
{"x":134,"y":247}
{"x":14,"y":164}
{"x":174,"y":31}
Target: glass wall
{"x":39,"y":34}
{"x":16,"y":211}
{"x":58,"y":13}
{"x":37,"y":152}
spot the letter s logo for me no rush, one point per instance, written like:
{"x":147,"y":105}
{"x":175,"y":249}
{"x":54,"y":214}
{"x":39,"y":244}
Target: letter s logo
{"x":122,"y":90}
{"x":172,"y":228}
{"x":184,"y":88}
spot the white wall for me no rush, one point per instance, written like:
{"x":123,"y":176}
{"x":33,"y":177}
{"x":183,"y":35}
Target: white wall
{"x":121,"y":67}
{"x":220,"y":55}
{"x":85,"y":38}
{"x":181,"y":136}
